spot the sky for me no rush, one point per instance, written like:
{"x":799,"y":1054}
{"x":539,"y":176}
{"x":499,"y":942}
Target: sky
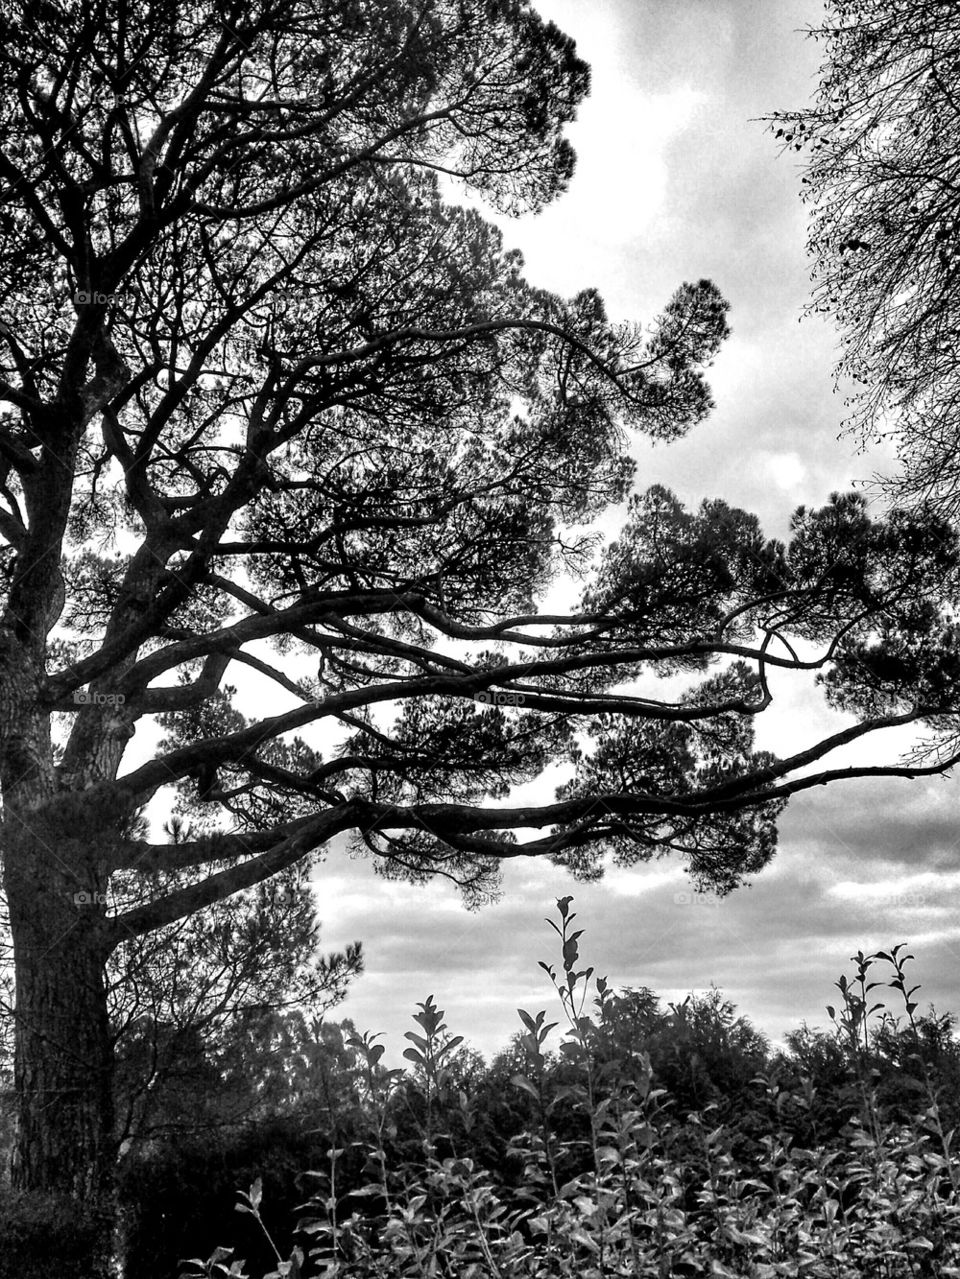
{"x":677,"y":180}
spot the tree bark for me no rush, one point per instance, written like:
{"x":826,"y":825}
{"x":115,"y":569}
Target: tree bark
{"x":54,"y":879}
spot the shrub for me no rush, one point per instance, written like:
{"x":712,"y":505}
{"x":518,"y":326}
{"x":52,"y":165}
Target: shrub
{"x":177,"y":1193}
{"x":43,"y":1235}
{"x":616,"y":1180}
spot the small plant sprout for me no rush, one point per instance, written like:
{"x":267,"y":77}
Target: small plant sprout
{"x":250,"y":1202}
{"x":430,"y":1055}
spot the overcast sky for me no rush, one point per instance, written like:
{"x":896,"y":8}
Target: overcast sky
{"x":675,"y":183}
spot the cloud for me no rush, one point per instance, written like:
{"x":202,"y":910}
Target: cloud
{"x":787,"y":470}
{"x":775,"y":948}
{"x":880,"y":822}
{"x":619,"y":196}
{"x":675,"y":182}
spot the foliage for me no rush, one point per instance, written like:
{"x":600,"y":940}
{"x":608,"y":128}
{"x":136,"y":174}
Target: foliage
{"x":177,"y":1192}
{"x":192,"y":1007}
{"x":188,"y":1000}
{"x":290,"y":452}
{"x":42,"y":1235}
{"x":256,"y":371}
{"x":374,"y":450}
{"x":880,"y":147}
{"x":643,"y":1189}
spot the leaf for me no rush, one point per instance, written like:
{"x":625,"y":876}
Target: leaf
{"x":608,"y":1155}
{"x":527,"y":1020}
{"x":521,"y":1081}
{"x":219,"y":1254}
{"x":587,"y":1242}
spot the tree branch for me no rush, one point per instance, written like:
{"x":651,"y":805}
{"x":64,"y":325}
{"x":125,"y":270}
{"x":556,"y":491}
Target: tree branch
{"x":309,"y":835}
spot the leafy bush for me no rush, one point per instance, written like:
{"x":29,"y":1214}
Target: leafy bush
{"x":616,"y":1178}
{"x":43,"y":1235}
{"x":176,"y":1194}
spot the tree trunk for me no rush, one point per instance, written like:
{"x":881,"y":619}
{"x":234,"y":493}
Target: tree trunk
{"x":63,"y":1062}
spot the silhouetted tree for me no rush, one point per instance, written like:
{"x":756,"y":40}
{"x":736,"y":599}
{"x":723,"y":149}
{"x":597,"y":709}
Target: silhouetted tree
{"x":265,"y":386}
{"x":194,"y":1002}
{"x":881,"y":153}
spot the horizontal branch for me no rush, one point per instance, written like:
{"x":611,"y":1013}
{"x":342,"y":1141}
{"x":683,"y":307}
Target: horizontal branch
{"x":308,"y":835}
{"x":459,"y":826}
{"x":413,"y":333}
